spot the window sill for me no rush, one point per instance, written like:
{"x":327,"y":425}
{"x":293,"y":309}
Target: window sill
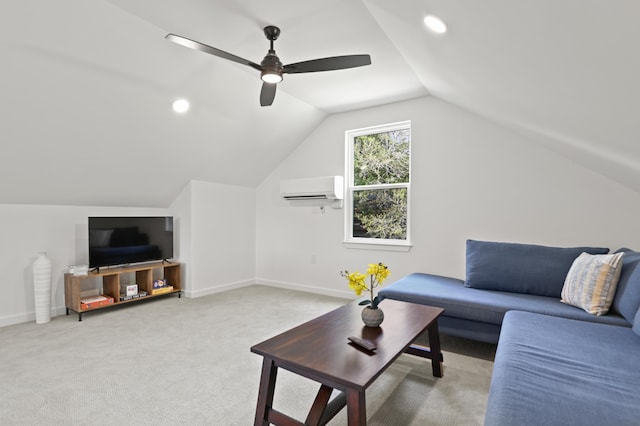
{"x":378,"y":245}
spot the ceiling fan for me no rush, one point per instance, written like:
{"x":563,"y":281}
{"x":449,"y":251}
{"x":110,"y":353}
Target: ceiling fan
{"x":271,"y":69}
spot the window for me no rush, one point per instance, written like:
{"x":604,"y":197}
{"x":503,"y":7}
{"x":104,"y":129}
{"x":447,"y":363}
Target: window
{"x":378,"y":185}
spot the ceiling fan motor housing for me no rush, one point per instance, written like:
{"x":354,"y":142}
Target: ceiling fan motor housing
{"x":271,"y":65}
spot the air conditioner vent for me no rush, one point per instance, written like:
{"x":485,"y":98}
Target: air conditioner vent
{"x":320,"y":188}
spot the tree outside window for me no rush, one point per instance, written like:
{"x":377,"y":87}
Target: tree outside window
{"x":378,"y":173}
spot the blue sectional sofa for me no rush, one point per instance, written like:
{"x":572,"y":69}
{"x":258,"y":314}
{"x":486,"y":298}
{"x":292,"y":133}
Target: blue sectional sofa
{"x":557,"y":371}
{"x":555,"y":364}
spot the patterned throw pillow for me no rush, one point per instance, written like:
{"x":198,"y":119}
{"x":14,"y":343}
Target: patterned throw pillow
{"x":591,"y":282}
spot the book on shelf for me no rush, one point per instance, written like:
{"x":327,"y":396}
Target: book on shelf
{"x":129,"y":289}
{"x":125,"y":297}
{"x":160,"y":283}
{"x":162,"y":290}
{"x":95,"y":301}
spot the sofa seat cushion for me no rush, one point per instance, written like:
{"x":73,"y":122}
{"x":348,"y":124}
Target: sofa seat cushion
{"x":521,"y":268}
{"x":482,"y":305}
{"x":555,"y":371}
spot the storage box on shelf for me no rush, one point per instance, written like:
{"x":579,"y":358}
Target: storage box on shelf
{"x":95,"y":301}
{"x":111,"y":285}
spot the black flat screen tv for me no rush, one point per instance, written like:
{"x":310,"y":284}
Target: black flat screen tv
{"x":126,"y":240}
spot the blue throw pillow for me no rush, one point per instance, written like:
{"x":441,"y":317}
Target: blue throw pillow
{"x":627,"y":297}
{"x":521,"y":268}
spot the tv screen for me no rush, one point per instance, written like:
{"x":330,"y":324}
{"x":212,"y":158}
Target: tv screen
{"x":125,"y":240}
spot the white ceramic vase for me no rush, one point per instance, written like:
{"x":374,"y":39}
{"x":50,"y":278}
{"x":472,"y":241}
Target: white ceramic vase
{"x":42,"y":288}
{"x":372,"y":317}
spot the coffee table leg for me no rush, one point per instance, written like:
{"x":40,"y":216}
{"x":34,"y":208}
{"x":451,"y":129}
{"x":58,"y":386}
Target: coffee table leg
{"x":436,"y":352}
{"x":265,"y":392}
{"x":356,"y":408}
{"x":319,"y":405}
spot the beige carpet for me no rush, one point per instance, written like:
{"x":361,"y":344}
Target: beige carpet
{"x":185,"y":361}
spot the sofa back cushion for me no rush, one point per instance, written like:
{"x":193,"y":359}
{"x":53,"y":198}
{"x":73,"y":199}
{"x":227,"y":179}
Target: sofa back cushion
{"x":521,"y":268}
{"x":627,"y":299}
{"x":636,"y":323}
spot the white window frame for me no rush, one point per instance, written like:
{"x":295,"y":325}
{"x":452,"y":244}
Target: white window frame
{"x":373,"y":243}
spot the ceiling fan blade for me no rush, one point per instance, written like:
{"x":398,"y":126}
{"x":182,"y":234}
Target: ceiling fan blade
{"x":267,"y":94}
{"x":192,"y":44}
{"x":328,"y":64}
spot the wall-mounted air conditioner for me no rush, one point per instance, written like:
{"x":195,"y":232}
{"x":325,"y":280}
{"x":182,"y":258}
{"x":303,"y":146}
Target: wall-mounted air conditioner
{"x":320,"y":188}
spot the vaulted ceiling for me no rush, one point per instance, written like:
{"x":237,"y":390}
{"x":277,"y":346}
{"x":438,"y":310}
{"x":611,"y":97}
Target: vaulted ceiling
{"x":87,"y":86}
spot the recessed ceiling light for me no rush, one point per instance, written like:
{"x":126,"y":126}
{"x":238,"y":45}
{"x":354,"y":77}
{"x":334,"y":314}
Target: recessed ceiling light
{"x":435,"y":24}
{"x":181,"y":106}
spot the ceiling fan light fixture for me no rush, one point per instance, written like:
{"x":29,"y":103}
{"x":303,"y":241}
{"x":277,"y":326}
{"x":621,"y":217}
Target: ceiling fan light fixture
{"x":271,"y":68}
{"x":435,"y":24}
{"x":271,"y":77}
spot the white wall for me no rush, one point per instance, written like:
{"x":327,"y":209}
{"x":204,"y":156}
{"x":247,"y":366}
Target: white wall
{"x":181,"y":211}
{"x":61,"y":231}
{"x":222,"y":240}
{"x":470,"y":179}
{"x":214,"y":228}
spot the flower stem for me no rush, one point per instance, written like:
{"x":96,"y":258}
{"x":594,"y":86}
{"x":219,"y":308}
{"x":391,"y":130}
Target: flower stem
{"x":371,"y":290}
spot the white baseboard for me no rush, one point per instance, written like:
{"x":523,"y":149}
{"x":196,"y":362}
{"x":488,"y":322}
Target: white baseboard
{"x":17,"y":319}
{"x":342,"y":294}
{"x":217,"y":289}
{"x":271,"y":283}
{"x":28,"y":317}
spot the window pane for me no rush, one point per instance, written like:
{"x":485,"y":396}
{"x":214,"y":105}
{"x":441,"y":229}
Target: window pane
{"x":381,"y":158}
{"x":380,"y":213}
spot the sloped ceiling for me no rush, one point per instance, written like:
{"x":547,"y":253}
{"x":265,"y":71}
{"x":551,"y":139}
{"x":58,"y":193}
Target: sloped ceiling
{"x":87,"y":85}
{"x":563,"y":73}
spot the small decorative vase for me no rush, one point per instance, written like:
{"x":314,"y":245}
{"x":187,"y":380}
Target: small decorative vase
{"x":372,"y":317}
{"x":42,"y":288}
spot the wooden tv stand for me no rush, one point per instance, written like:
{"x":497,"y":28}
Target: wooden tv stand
{"x":111,"y":284}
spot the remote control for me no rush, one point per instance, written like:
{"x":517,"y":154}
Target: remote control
{"x":363,"y":343}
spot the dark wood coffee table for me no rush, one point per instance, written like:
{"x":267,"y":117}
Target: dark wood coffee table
{"x":319,"y":350}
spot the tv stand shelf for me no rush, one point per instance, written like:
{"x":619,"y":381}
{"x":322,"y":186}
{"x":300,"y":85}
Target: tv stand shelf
{"x":111,"y":280}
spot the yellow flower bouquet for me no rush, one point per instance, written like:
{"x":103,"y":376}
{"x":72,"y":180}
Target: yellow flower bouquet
{"x":377,"y":272}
